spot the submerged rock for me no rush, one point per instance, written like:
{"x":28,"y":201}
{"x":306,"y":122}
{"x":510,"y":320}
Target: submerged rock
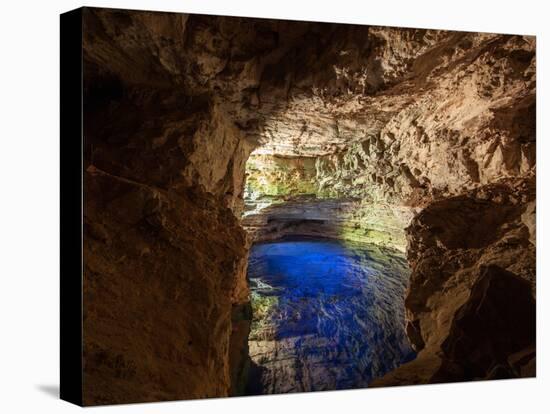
{"x":326,"y":315}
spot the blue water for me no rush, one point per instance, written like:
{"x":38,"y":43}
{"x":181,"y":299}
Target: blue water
{"x":333,"y":314}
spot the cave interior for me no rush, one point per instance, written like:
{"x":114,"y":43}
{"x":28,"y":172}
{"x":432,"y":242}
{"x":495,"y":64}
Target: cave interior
{"x":223,"y":153}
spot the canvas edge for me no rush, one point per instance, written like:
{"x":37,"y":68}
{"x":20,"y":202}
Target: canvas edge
{"x":71,"y":207}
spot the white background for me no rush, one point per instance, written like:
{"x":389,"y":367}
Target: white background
{"x":29,"y":206}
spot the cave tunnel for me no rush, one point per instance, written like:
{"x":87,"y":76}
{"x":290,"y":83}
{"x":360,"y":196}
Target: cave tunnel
{"x":356,"y":198}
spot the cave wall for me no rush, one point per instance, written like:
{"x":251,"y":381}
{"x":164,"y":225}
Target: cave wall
{"x":154,"y":279}
{"x":164,"y":169}
{"x":456,"y":246}
{"x":452,"y":132}
{"x":396,"y":120}
{"x":449,"y":112}
{"x":289,"y":196}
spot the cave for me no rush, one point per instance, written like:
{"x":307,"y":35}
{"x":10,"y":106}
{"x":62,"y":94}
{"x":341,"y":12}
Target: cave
{"x":238,"y":170}
{"x":327,"y":287}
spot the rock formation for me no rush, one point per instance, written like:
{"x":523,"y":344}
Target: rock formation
{"x":287,"y":196}
{"x":466,"y":253}
{"x":420,"y":140}
{"x":144,"y":253}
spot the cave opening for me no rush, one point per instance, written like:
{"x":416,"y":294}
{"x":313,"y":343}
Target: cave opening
{"x":327,"y":287}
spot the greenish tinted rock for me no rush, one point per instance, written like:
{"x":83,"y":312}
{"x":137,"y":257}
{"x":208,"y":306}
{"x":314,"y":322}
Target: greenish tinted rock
{"x":330,"y":196}
{"x":262,"y":307}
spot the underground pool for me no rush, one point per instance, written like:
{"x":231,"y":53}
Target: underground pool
{"x":326,"y":315}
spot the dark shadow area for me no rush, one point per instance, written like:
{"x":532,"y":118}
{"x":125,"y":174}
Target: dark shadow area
{"x":49,"y":389}
{"x":254,"y":381}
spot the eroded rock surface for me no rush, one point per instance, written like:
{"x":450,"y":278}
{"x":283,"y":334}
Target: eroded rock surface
{"x":496,"y":322}
{"x":378,"y":123}
{"x":144,"y":253}
{"x":287,"y":196}
{"x":454,"y":245}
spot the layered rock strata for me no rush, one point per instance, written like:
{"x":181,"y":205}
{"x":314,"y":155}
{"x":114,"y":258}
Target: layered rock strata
{"x":470,"y":304}
{"x":403,"y":119}
{"x":288,"y":196}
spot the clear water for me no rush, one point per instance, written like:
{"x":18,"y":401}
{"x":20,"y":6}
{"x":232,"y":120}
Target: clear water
{"x":326,"y":315}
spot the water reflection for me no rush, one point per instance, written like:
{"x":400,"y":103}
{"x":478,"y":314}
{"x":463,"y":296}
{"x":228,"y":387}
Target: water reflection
{"x":327,"y":315}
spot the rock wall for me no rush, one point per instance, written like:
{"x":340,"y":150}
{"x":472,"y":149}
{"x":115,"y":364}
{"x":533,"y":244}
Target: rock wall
{"x":145,"y":251}
{"x":450,"y":112}
{"x":165,"y":255}
{"x":458,"y":248}
{"x":346,"y":219}
{"x":289,"y":196}
{"x":449,"y":127}
{"x":397,"y":120}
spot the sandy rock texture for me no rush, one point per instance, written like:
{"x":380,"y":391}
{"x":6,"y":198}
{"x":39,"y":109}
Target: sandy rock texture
{"x":470,"y":304}
{"x":144,"y":336}
{"x":377,"y":122}
{"x":450,"y":112}
{"x":165,"y":255}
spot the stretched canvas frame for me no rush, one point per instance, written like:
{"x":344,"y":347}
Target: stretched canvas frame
{"x":495,"y":202}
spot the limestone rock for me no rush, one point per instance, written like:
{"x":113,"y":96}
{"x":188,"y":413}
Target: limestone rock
{"x":379,"y":129}
{"x":153,"y":250}
{"x":497,"y":321}
{"x":452,"y":243}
